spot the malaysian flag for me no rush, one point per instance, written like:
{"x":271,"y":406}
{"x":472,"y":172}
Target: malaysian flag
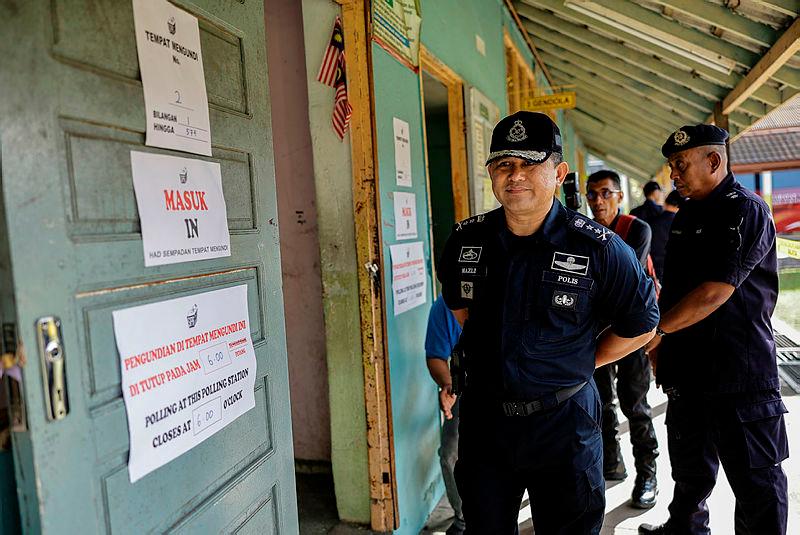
{"x":341,"y":106}
{"x":330,"y":63}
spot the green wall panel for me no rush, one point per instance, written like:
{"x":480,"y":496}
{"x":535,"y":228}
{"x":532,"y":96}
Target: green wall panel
{"x":415,"y":407}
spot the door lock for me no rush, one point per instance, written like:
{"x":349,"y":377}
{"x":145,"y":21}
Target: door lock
{"x":54,"y":372}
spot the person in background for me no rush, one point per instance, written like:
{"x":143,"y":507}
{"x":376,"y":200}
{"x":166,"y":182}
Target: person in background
{"x":651,"y":206}
{"x":660,"y":226}
{"x":631,"y":373}
{"x":441,"y":337}
{"x":714,"y":353}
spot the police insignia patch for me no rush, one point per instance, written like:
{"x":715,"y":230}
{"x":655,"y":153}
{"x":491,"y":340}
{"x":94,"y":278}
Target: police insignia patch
{"x":680,"y":138}
{"x":517,"y":132}
{"x":598,"y":232}
{"x":466,"y":289}
{"x":564,"y":300}
{"x":470,"y":254}
{"x":570,"y":263}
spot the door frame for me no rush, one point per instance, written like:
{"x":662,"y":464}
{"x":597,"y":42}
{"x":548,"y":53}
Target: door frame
{"x":459,"y":176}
{"x":384,"y":507}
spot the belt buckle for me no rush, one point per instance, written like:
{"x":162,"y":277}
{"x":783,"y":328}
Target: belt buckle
{"x":514,"y":408}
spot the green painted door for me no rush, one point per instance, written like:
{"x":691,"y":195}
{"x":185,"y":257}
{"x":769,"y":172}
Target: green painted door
{"x":71,"y":110}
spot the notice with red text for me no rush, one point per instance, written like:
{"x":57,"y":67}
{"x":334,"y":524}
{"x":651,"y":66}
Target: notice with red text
{"x":181,"y":208}
{"x":188,"y":370}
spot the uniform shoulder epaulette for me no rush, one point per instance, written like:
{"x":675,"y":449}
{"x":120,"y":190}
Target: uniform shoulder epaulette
{"x":597,"y":232}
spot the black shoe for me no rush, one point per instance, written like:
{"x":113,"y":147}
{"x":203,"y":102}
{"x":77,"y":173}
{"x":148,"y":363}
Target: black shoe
{"x":615,"y":473}
{"x":644,"y":493}
{"x":648,"y":529}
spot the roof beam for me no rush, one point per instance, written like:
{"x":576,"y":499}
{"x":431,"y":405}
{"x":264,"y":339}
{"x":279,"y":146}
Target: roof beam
{"x":669,"y":88}
{"x":625,"y":53}
{"x":635,"y":149}
{"x":624,"y":120}
{"x":766,"y":94}
{"x":620,"y":162}
{"x":785,"y":7}
{"x":666,"y":101}
{"x":703,"y":44}
{"x":724,"y":19}
{"x":629,"y":108}
{"x":657,"y":103}
{"x":784,"y":48}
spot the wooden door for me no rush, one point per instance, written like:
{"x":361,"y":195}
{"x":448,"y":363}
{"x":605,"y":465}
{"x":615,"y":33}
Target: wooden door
{"x":71,"y":111}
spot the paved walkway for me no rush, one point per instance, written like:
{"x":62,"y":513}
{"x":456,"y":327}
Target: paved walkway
{"x":623,"y":519}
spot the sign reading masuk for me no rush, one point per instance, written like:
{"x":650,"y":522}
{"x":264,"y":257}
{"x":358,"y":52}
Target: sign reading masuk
{"x":181,"y":208}
{"x":171,"y":64}
{"x":188,"y":370}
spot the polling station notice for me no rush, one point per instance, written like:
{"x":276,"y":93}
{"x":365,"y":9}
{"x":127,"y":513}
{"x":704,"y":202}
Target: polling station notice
{"x":188,"y":370}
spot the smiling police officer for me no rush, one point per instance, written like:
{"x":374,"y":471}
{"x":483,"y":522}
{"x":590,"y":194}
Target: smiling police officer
{"x":532,"y":280}
{"x":717,"y":358}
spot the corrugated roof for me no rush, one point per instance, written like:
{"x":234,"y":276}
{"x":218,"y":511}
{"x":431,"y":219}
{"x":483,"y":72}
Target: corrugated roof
{"x":766,"y":147}
{"x":785,"y":116}
{"x":643,"y":68}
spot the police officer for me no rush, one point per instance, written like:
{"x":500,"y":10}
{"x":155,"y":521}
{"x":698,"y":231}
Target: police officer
{"x":531,"y":280}
{"x":631,"y":375}
{"x":651,"y":207}
{"x":715,"y":353}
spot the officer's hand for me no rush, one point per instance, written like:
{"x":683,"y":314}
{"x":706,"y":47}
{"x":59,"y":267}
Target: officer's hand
{"x":446,"y":400}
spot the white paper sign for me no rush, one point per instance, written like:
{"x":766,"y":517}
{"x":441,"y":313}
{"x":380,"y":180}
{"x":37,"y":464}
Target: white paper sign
{"x":402,"y":152}
{"x":171,"y":63}
{"x":409,"y":282}
{"x":405,"y":215}
{"x":181,"y":208}
{"x":188,"y":370}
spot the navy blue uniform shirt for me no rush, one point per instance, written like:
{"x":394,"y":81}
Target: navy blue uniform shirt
{"x":658,"y":245}
{"x":647,"y":211}
{"x":727,"y":237}
{"x":537,"y":303}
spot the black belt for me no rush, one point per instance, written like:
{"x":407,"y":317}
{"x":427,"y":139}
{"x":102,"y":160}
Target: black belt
{"x":526,"y":408}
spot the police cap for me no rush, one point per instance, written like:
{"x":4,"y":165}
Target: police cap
{"x":525,"y":134}
{"x":688,"y":137}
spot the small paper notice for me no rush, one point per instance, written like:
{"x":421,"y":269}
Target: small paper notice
{"x":402,"y":153}
{"x":171,"y":64}
{"x":405,"y":215}
{"x":409,"y":281}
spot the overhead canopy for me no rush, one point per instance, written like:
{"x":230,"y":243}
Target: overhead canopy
{"x":643,"y":68}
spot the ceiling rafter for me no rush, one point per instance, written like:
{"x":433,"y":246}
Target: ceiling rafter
{"x":725,"y":19}
{"x":766,"y":94}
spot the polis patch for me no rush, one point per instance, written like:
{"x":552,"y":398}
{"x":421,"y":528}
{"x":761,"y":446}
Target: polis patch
{"x":569,"y":280}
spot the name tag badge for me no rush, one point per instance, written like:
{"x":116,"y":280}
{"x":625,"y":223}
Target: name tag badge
{"x":568,"y":280}
{"x":474,"y":272}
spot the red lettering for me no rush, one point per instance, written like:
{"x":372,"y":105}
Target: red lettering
{"x":169,"y":198}
{"x":202,"y":195}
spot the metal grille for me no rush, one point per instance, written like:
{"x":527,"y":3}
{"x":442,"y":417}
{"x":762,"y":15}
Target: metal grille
{"x":788,"y":356}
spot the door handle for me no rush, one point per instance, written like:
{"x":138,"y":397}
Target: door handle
{"x":54,"y":372}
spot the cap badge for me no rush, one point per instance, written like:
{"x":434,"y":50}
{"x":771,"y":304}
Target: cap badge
{"x":517,"y":132}
{"x":680,"y":138}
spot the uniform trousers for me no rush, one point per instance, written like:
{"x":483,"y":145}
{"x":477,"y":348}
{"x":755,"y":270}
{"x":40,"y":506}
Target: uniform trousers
{"x":745,"y":432}
{"x":556,"y":454}
{"x":632,"y":375}
{"x":448,"y":454}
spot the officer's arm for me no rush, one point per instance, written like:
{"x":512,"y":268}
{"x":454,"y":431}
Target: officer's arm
{"x":611,"y":347}
{"x":461,"y":315}
{"x":696,"y":306}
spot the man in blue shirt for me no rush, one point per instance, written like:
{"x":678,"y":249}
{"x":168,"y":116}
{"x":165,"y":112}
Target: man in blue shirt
{"x":651,"y":207}
{"x":660,"y":226}
{"x":530,"y":282}
{"x":440,"y":339}
{"x":715,"y":352}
